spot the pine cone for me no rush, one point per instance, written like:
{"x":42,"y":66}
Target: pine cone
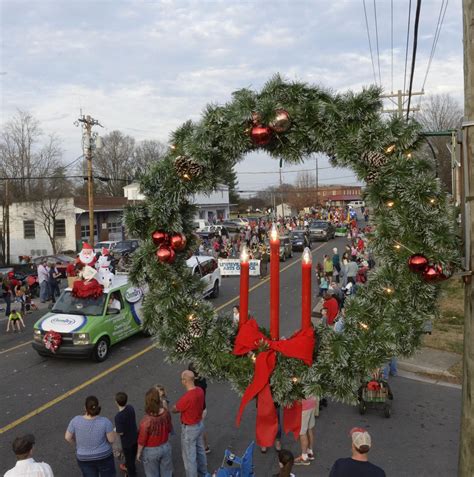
{"x":195,"y":329}
{"x":186,"y":168}
{"x":374,"y":159}
{"x":372,"y":176}
{"x":183,"y":344}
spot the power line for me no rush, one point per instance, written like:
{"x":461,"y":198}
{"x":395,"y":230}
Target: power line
{"x":370,"y":43}
{"x":73,"y":162}
{"x":406,"y":48}
{"x":284,"y":172}
{"x":439,"y":25}
{"x":377,"y":41}
{"x":413,"y":58}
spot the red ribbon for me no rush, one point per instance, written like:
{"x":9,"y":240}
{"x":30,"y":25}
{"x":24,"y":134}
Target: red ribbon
{"x":299,"y":346}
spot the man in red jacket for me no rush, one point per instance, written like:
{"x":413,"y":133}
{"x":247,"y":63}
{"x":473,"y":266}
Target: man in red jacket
{"x":332,"y":307}
{"x":191,"y":407}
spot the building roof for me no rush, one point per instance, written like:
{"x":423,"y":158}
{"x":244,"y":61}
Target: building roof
{"x":101,"y":203}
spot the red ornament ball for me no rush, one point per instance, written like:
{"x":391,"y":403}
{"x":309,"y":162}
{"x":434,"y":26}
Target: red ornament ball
{"x":165,"y":254}
{"x":261,"y":135}
{"x":178,"y":242}
{"x":417,"y":263}
{"x":433,"y":273}
{"x":159,"y":237}
{"x":282,"y":122}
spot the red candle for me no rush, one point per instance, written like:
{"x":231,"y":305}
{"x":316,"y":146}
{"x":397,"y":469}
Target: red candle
{"x":306,"y":289}
{"x":244,"y":287}
{"x":274,"y":284}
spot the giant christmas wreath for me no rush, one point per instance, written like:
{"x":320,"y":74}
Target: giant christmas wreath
{"x":291,"y":121}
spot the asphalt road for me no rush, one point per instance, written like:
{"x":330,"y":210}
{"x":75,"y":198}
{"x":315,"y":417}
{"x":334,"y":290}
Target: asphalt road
{"x":41,"y":395}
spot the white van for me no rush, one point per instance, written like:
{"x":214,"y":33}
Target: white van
{"x":356,"y":204}
{"x":208,"y":269}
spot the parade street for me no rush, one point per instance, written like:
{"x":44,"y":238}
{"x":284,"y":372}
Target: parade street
{"x":41,"y":395}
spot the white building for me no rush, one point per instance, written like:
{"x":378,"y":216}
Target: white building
{"x":214,"y":205}
{"x":28,"y":235}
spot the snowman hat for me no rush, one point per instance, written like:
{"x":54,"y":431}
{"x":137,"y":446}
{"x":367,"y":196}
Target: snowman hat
{"x":86,"y":246}
{"x":105,"y":251}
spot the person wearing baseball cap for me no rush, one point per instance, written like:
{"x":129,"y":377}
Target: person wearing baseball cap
{"x":358,"y":464}
{"x":23,"y":449}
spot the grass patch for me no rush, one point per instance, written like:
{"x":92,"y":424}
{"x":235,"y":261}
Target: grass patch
{"x":448,"y":329}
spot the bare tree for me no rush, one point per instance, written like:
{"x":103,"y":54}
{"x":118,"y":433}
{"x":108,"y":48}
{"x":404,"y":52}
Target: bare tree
{"x":146,"y":153}
{"x":440,"y":113}
{"x":51,"y":208}
{"x":25,"y":155}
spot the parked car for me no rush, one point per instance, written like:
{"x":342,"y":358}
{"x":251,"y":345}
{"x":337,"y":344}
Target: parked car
{"x":232,"y":226}
{"x":321,"y":230}
{"x":207,"y":232}
{"x":61,"y":262}
{"x":208,"y":269}
{"x":300,"y":239}
{"x":286,"y":249}
{"x":200,"y":224}
{"x":356,"y":204}
{"x":88,"y":327}
{"x":241,"y":222}
{"x":126,"y":247}
{"x":108,"y":244}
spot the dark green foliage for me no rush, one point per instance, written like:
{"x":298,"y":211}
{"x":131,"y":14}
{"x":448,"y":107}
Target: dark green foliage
{"x":344,"y":126}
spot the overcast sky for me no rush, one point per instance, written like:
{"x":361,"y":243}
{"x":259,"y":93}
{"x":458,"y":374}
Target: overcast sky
{"x":144,"y":67}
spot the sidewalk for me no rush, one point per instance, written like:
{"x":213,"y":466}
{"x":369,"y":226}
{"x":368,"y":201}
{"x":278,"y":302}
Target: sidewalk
{"x":433,"y":362}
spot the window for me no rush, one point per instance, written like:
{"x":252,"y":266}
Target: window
{"x":114,"y":227}
{"x":85,"y":231}
{"x":60,"y":228}
{"x":29,"y":229}
{"x":334,"y":192}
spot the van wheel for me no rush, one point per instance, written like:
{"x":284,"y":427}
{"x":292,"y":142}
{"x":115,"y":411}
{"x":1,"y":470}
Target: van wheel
{"x":215,"y":290}
{"x":101,"y":350}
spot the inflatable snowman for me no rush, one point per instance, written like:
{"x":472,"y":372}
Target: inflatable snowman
{"x":104,"y":275}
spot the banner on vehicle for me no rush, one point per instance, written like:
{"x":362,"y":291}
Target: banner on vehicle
{"x":231,"y":266}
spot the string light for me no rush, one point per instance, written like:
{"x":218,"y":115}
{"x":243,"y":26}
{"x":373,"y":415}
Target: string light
{"x":294,"y":380}
{"x":390,"y":203}
{"x":390,"y":148}
{"x":253,"y":357}
{"x":172,"y":147}
{"x":186,"y":176}
{"x":409,"y":155}
{"x":432,"y":200}
{"x":364,"y":326}
{"x":388,"y":290}
{"x":397,"y":246}
{"x":191,"y":317}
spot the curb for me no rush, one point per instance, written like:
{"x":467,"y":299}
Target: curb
{"x":424,"y":379}
{"x":416,"y":368}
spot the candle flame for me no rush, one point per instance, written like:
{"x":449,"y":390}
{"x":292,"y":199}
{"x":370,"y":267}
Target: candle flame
{"x":244,"y":255}
{"x":307,"y":257}
{"x":274,"y":232}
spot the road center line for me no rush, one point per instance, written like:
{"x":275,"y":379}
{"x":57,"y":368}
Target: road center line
{"x":119,"y":365}
{"x":16,"y":347}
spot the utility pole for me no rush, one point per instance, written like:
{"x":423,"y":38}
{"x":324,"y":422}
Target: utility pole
{"x":466,"y":444}
{"x":88,"y":142}
{"x":7,"y":223}
{"x":317,"y":182}
{"x":399,"y":96}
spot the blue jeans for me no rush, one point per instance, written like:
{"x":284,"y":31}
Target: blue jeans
{"x":44,"y":291}
{"x":192,"y":449}
{"x":157,"y":461}
{"x":98,"y":468}
{"x":390,"y":367}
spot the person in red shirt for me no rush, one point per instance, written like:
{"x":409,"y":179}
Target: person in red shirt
{"x":153,"y":434}
{"x":191,"y":407}
{"x":332,"y":307}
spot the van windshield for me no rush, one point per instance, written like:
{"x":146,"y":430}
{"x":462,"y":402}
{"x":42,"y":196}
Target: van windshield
{"x":79,"y":306}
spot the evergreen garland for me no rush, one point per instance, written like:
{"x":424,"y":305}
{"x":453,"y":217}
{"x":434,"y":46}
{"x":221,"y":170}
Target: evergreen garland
{"x":349,"y":128}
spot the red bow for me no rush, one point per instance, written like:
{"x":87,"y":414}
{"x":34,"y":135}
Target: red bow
{"x":300,"y":346}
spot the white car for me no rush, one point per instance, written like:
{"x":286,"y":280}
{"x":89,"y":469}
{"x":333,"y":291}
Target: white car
{"x":244,"y":223}
{"x":208,"y":269}
{"x":108,"y":244}
{"x":355,"y":204}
